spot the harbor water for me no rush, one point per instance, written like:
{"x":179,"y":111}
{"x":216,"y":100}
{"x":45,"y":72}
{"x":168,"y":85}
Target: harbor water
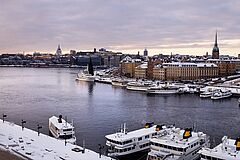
{"x":35,"y":94}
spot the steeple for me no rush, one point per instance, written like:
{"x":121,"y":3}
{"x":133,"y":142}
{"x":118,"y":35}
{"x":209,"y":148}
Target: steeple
{"x":215,"y":51}
{"x":216,"y":45}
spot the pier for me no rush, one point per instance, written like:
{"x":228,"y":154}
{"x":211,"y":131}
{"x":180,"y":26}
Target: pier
{"x":28,"y":144}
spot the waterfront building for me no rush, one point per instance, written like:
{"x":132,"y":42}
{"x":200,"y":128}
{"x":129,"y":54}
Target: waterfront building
{"x":185,"y":71}
{"x":215,"y":51}
{"x":226,"y":67}
{"x":141,"y":71}
{"x":128,"y":65}
{"x":83,"y":60}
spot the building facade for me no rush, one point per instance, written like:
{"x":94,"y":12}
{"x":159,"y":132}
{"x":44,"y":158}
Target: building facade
{"x":185,"y":71}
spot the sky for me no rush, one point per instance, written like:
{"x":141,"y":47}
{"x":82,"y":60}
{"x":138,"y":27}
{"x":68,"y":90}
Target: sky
{"x":161,"y":26}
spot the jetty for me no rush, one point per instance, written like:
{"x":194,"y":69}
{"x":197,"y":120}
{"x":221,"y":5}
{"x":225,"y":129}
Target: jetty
{"x":28,"y":144}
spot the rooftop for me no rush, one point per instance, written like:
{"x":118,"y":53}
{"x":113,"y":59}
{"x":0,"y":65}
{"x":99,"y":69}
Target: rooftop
{"x":120,"y":137}
{"x":28,"y":144}
{"x":175,"y":138}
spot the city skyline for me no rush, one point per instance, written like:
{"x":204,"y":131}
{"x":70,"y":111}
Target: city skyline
{"x":181,"y":26}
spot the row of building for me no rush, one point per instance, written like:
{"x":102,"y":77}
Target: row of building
{"x":154,"y":69}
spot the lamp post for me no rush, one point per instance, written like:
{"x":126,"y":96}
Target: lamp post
{"x":4,"y":116}
{"x":100,"y":147}
{"x":38,"y":127}
{"x":23,"y":122}
{"x":65,"y":138}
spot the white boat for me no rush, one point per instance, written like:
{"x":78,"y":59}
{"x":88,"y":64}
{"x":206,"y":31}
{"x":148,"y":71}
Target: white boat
{"x":61,"y":129}
{"x":138,"y":86}
{"x":124,"y":143}
{"x":87,"y":74}
{"x":220,"y":94}
{"x":178,"y":144}
{"x":229,"y":149}
{"x":206,"y":94}
{"x":163,"y":90}
{"x":85,"y":77}
{"x":119,"y":82}
{"x":105,"y":80}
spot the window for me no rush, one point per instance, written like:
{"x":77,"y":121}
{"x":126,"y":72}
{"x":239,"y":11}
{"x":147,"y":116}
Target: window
{"x":139,"y":139}
{"x":147,"y":136}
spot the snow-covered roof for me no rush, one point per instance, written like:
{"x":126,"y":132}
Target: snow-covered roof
{"x":188,"y":64}
{"x":128,"y":59}
{"x":143,"y":66}
{"x":28,"y":144}
{"x":121,"y":137}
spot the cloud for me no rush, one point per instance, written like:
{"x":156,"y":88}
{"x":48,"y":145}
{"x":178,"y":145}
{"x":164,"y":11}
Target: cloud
{"x":28,"y":25}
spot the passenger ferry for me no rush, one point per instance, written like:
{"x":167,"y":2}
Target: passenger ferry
{"x":178,"y":145}
{"x":206,"y":94}
{"x":229,"y":149}
{"x":61,"y":129}
{"x":220,"y":93}
{"x":119,"y":82}
{"x":124,"y":143}
{"x":138,"y":86}
{"x":163,"y":90}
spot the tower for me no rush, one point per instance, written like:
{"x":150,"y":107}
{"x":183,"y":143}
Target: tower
{"x":215,"y":51}
{"x":59,"y":51}
{"x":145,"y":53}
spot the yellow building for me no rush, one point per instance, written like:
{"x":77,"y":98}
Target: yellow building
{"x":141,"y":71}
{"x":185,"y":71}
{"x":128,"y":65}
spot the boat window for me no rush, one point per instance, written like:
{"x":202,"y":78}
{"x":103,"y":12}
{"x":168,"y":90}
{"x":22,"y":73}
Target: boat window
{"x":139,"y":139}
{"x":147,"y":136}
{"x":65,"y":130}
{"x":66,"y":136}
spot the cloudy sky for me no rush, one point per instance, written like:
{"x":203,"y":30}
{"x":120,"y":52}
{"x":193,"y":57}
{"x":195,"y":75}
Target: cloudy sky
{"x":161,"y":26}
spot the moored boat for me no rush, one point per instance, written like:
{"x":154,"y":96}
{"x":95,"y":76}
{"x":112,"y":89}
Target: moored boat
{"x":178,"y":144}
{"x":229,"y":149}
{"x":87,"y":74}
{"x":138,"y":86}
{"x":119,"y":82}
{"x":206,"y":94}
{"x":61,"y":129}
{"x":221,"y":93}
{"x":163,"y":90}
{"x":125,"y":143}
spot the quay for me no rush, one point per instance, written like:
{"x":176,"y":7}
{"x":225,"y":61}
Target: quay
{"x":28,"y":144}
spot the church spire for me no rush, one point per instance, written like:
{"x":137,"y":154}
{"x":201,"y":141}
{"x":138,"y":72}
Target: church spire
{"x":216,"y":45}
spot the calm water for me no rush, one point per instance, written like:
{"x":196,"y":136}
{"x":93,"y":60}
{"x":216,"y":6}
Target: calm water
{"x":35,"y":94}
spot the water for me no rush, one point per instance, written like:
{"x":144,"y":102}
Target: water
{"x":35,"y":94}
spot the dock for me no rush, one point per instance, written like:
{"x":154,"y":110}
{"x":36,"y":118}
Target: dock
{"x":28,"y":144}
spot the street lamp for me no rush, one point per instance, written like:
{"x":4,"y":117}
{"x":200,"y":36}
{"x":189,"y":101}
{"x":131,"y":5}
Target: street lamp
{"x":100,"y":147}
{"x":4,"y":116}
{"x":38,"y":127}
{"x":23,"y":122}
